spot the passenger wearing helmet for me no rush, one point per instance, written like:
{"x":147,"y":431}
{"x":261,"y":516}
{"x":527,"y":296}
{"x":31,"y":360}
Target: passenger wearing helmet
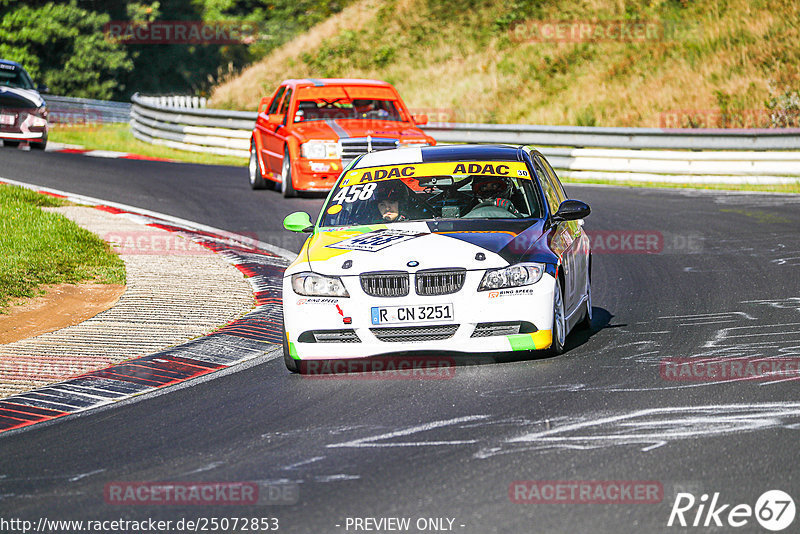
{"x":493,"y":191}
{"x":392,"y":201}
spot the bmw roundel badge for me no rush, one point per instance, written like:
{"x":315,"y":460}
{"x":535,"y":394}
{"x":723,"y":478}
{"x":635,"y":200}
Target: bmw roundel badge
{"x":412,"y":263}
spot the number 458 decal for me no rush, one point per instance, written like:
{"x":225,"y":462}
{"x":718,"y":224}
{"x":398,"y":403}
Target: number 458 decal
{"x":351,"y":193}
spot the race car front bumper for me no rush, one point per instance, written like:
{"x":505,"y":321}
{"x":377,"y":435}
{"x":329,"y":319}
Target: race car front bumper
{"x":319,"y":328}
{"x":315,"y":175}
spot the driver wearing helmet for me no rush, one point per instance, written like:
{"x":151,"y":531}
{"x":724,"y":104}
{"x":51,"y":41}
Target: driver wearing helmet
{"x":493,"y":191}
{"x":392,"y":201}
{"x":365,"y":108}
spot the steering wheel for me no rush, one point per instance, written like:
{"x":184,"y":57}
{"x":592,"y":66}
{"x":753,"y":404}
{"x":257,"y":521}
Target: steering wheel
{"x":421,"y":204}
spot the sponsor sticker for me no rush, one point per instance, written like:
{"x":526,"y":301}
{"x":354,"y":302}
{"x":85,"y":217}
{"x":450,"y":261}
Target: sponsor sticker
{"x":392,"y":172}
{"x":377,"y":240}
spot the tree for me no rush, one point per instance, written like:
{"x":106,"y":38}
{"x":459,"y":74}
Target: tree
{"x":64,"y":47}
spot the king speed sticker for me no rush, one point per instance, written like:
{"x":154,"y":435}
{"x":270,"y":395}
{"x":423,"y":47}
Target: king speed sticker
{"x":377,"y":240}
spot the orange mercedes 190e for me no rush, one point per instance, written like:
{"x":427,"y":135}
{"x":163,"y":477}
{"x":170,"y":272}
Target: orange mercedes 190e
{"x":308,"y":130}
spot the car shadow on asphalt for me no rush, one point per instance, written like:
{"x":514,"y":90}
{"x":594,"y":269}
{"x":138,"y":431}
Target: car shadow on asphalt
{"x":601,"y":319}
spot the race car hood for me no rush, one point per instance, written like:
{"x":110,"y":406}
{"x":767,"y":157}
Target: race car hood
{"x":431,"y":244}
{"x":345,"y":128}
{"x":13,"y":97}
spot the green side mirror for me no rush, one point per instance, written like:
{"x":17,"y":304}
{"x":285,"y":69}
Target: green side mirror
{"x":298,"y":221}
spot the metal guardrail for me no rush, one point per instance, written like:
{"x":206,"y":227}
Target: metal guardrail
{"x":198,"y":129}
{"x":176,"y":101}
{"x":69,"y":110}
{"x":635,"y":154}
{"x":629,"y":138}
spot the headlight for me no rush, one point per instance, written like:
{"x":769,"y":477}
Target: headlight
{"x":320,"y":149}
{"x":316,"y":285}
{"x":521,"y":274}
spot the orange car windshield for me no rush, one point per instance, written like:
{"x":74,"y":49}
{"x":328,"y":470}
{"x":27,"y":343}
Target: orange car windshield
{"x":321,"y":109}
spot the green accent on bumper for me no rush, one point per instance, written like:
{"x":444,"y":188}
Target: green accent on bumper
{"x":538,"y":340}
{"x":292,"y":348}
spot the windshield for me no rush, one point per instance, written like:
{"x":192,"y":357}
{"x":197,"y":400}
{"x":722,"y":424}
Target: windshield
{"x":424,"y":191}
{"x":321,"y":109}
{"x":13,"y":76}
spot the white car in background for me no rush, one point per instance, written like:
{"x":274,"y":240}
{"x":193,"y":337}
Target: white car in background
{"x":23,"y":112}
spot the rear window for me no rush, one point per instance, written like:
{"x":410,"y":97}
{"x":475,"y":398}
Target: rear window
{"x":13,"y":76}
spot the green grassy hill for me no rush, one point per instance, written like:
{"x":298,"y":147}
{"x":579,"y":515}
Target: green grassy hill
{"x":728,"y":63}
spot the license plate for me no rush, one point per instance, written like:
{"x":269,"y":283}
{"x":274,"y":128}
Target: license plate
{"x":8,"y":120}
{"x":412,"y":314}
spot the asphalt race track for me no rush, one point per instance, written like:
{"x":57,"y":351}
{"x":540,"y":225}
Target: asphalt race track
{"x":720,"y":280}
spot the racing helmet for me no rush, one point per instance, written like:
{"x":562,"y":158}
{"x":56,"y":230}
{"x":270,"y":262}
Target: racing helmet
{"x":362,"y":105}
{"x":489,"y":187}
{"x":391,"y":190}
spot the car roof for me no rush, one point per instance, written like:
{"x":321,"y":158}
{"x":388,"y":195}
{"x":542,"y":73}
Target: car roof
{"x":428,"y":154}
{"x":322,"y":82}
{"x":9,"y":62}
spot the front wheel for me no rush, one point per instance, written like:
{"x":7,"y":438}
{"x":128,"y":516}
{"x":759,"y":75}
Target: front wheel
{"x":287,"y":187}
{"x":559,"y":323}
{"x":586,"y":322}
{"x":256,"y":180}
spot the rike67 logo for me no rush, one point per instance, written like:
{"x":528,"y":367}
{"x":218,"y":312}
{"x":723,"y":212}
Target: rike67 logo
{"x":774,"y":510}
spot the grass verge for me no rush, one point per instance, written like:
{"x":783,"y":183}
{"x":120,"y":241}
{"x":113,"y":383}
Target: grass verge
{"x":118,"y":137}
{"x":39,"y":248}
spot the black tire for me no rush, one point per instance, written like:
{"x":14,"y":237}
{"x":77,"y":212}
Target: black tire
{"x":291,"y":363}
{"x":287,"y":187}
{"x":256,"y":179}
{"x":40,"y":145}
{"x":586,"y":322}
{"x":559,"y":323}
{"x":11,"y":144}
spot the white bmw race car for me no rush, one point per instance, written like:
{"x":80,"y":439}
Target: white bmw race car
{"x":449,"y":249}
